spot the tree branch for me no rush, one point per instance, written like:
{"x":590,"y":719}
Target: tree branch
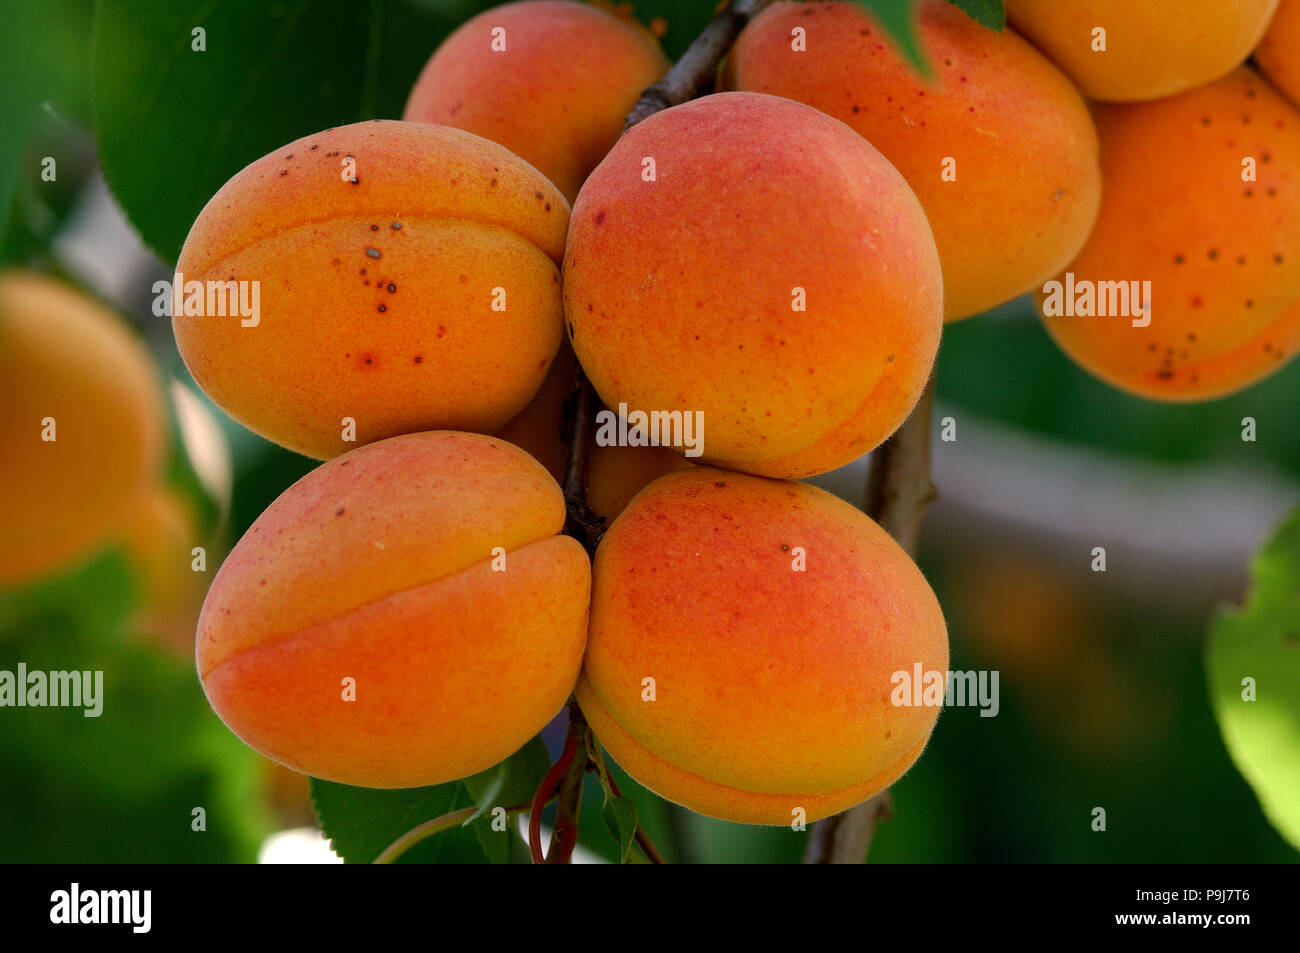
{"x":699,"y":64}
{"x":898,"y":491}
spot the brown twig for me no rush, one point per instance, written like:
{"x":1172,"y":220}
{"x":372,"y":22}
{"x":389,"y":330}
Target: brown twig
{"x":898,"y":491}
{"x":699,"y":64}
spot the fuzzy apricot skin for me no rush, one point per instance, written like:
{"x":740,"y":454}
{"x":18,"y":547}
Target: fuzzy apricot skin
{"x":1023,"y":183}
{"x":378,"y":566}
{"x":1278,"y":53}
{"x":773,"y":688}
{"x":65,"y":356}
{"x":683,"y":293}
{"x":377,"y":295}
{"x":557,"y":95}
{"x":1222,"y":255}
{"x":1154,"y":48}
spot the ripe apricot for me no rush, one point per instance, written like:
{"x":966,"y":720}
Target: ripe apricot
{"x":725,"y":678}
{"x":616,"y":474}
{"x":1278,"y":53}
{"x":998,"y":146}
{"x":1200,"y":198}
{"x":749,"y":258}
{"x":83,"y":425}
{"x":424,"y":575}
{"x":407,"y":277}
{"x":1151,"y":49}
{"x":551,"y":80}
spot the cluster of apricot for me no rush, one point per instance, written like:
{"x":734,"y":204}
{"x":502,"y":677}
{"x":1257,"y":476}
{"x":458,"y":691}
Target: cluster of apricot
{"x":778,"y":258}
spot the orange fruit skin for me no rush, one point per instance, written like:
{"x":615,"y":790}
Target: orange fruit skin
{"x":425,"y":295}
{"x":1222,"y":254}
{"x":773,"y":688}
{"x":998,"y":145}
{"x":803,"y":330}
{"x":379,"y":566}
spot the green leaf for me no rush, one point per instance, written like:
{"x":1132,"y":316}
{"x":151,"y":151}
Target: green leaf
{"x":175,"y":123}
{"x":1254,"y":653}
{"x":361,"y":822}
{"x":989,"y":13}
{"x":619,"y":815}
{"x":898,"y":19}
{"x":512,"y":782}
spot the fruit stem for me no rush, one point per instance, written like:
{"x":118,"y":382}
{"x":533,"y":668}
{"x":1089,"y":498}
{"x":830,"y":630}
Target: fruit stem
{"x":437,"y":825}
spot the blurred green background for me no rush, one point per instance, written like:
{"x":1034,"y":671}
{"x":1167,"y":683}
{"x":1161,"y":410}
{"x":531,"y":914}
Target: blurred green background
{"x":1103,"y":685}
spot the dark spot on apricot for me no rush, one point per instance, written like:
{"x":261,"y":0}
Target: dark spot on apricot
{"x":1164,"y":374}
{"x":392,"y":287}
{"x":719,"y":483}
{"x":397,"y":226}
{"x":418,"y":359}
{"x":1250,"y":303}
{"x":785,"y":548}
{"x":1214,"y":254}
{"x":356,"y":180}
{"x":600,"y":217}
{"x":1277,"y":259}
{"x":314,"y":148}
{"x":548,"y":206}
{"x":374,"y":228}
{"x":442,"y":329}
{"x":284,"y":171}
{"x":383,"y":308}
{"x":338,"y":512}
{"x":1178,"y":259}
{"x":373,"y":253}
{"x":855,"y":109}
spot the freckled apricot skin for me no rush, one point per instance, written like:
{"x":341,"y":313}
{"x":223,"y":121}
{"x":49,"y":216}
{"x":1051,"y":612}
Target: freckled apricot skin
{"x":684,"y":293}
{"x":1023,"y":181}
{"x":455,"y":665}
{"x":381,"y":300}
{"x":64,"y":355}
{"x":1222,"y":255}
{"x":773,"y":688}
{"x":1154,"y":48}
{"x":1278,"y":53}
{"x":557,"y":96}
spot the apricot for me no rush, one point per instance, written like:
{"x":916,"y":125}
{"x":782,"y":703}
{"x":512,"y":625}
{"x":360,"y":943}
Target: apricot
{"x":538,"y":429}
{"x":616,"y":474}
{"x":1278,"y":53}
{"x":158,"y":539}
{"x":998,"y":146}
{"x":403,"y":615}
{"x":551,"y":80}
{"x":1222,"y":254}
{"x":751,"y":259}
{"x":727,"y":679}
{"x":83,"y":425}
{"x":406,"y":276}
{"x":1151,"y":49}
